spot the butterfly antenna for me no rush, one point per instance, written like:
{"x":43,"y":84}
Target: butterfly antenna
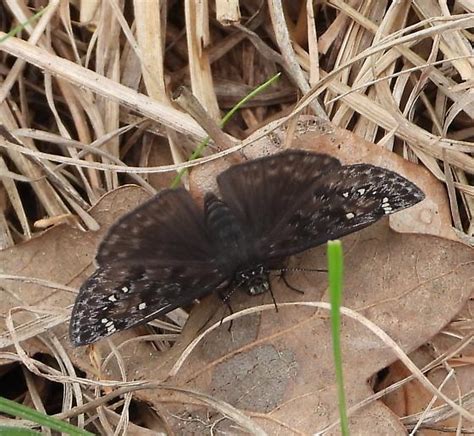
{"x":285,"y":270}
{"x":225,"y":297}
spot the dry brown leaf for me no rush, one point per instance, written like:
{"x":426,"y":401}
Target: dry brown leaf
{"x":411,"y":401}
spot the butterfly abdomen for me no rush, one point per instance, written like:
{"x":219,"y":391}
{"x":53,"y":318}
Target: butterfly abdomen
{"x":224,"y":228}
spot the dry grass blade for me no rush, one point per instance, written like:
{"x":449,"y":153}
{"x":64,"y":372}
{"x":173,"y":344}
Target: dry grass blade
{"x":110,"y":89}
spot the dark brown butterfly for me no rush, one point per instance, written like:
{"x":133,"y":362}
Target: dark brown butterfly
{"x":170,"y":251}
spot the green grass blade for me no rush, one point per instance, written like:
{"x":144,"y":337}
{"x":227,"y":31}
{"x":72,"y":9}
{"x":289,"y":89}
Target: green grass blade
{"x":197,"y":152}
{"x":21,"y":26}
{"x":335,"y":274}
{"x":18,"y":410}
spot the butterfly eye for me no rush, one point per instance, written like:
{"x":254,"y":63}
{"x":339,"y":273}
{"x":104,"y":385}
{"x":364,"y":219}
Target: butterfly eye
{"x":258,"y":289}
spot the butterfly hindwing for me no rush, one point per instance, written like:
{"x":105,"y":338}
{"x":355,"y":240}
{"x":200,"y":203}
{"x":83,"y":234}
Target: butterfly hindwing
{"x":152,"y":260}
{"x":260,"y":191}
{"x":169,"y":226}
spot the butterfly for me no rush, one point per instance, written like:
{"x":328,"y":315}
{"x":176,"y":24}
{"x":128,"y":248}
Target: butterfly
{"x":169,"y":251}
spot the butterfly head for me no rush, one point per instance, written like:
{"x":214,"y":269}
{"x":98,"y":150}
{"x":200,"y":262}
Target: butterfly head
{"x":253,"y":280}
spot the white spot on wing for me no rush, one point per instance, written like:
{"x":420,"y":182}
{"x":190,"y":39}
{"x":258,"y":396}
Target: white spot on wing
{"x":350,"y":215}
{"x":386,"y":206}
{"x":141,"y":306}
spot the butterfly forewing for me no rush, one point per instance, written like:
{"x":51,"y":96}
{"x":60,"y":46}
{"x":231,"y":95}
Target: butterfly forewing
{"x":116,"y":298}
{"x":338,"y":204}
{"x":261,"y":191}
{"x":317,"y":198}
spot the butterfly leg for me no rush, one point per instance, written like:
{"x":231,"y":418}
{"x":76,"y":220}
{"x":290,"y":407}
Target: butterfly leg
{"x":225,"y":297}
{"x":285,"y":281}
{"x":231,"y":321}
{"x":273,"y":297}
{"x":227,"y":304}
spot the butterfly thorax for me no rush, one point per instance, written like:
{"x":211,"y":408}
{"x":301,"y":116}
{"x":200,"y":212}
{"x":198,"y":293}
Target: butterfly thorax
{"x":229,"y":238}
{"x":254,"y":280}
